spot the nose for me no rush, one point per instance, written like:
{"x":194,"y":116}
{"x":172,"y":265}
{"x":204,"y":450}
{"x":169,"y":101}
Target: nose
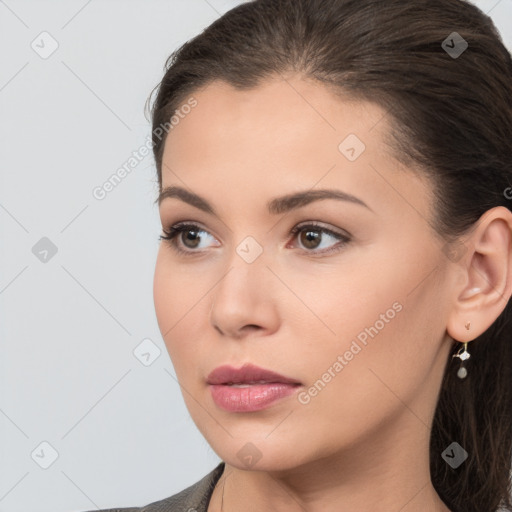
{"x":244,"y":301}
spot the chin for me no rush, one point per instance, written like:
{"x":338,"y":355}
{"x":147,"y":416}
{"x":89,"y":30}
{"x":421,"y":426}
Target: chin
{"x":257,"y":453}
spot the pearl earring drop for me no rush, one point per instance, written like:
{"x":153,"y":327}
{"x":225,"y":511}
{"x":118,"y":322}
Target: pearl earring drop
{"x":463,"y":355}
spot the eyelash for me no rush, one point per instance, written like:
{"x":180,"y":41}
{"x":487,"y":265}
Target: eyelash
{"x":170,"y":235}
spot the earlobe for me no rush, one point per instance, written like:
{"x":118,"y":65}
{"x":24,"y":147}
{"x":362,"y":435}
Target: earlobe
{"x":487,"y":273}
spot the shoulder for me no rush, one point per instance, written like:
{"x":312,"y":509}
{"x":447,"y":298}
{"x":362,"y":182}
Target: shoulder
{"x":192,"y":499}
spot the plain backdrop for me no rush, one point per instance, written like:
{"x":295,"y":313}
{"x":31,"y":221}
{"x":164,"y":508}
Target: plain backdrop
{"x":91,"y":415}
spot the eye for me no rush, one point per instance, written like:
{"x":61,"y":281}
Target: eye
{"x":188,"y":238}
{"x":313,"y":236}
{"x":194,"y":235}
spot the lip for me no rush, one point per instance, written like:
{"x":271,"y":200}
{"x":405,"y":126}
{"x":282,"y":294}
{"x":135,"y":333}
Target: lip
{"x":247,"y":374}
{"x":261,"y":387}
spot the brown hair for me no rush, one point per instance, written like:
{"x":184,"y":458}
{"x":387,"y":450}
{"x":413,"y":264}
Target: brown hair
{"x":451,"y":116}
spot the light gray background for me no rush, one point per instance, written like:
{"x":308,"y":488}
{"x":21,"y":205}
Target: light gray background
{"x":69,"y":326}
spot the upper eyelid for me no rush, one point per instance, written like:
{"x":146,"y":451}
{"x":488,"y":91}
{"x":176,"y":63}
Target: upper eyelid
{"x":185,"y":223}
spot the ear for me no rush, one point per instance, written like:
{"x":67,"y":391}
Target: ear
{"x":484,"y":276}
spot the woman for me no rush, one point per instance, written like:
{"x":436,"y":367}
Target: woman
{"x":334,"y":278}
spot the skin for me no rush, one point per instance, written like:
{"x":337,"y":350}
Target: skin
{"x":362,"y":442}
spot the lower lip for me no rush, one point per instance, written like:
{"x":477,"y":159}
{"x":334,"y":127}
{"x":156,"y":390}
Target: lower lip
{"x":251,"y":398}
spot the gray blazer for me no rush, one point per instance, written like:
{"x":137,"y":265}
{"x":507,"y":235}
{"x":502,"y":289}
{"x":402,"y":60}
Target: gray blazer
{"x":192,"y":499}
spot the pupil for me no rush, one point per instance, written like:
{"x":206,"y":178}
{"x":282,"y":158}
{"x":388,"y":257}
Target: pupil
{"x":311,"y":236}
{"x":193,"y":238}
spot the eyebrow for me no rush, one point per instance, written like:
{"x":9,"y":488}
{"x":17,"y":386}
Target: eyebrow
{"x":275,"y":206}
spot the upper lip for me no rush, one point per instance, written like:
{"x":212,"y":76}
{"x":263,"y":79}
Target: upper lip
{"x":247,"y":374}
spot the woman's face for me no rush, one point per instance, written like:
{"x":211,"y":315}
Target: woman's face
{"x":354,"y":308}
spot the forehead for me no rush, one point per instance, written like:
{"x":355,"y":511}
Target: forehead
{"x":286,"y":134}
{"x":282,"y":119}
{"x":288,"y":107}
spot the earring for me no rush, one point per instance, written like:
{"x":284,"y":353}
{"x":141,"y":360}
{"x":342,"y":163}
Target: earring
{"x":463,"y":355}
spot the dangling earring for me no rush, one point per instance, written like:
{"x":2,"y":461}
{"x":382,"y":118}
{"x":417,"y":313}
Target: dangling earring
{"x":463,"y":355}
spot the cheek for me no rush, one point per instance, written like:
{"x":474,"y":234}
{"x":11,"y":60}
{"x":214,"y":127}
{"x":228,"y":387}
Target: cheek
{"x":347,"y":309}
{"x":170,"y":298}
{"x":181,"y":307}
{"x":177,"y":291}
{"x":340,"y":306}
{"x":380,"y":351}
{"x":163,"y":296}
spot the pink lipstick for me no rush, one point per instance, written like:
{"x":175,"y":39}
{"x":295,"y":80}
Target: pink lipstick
{"x":249,"y":388}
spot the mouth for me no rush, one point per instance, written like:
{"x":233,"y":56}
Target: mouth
{"x":249,"y":384}
{"x":249,"y":388}
{"x":247,"y":375}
